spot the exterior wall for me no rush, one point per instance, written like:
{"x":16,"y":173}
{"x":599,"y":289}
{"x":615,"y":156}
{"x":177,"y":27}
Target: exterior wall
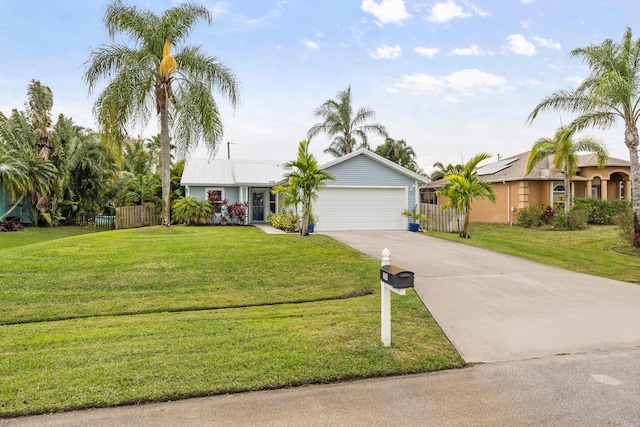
{"x":23,"y":211}
{"x":487,"y":211}
{"x":229,"y":193}
{"x":363,"y":171}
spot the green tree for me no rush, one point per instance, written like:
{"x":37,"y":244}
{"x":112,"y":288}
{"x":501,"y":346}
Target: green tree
{"x":348,"y":130}
{"x":27,"y":176}
{"x":564,"y":150}
{"x":178,"y":86}
{"x":308,"y":179}
{"x":463,"y":187}
{"x":399,"y":152}
{"x":39,"y":105}
{"x":441,"y":170}
{"x":611,"y":92}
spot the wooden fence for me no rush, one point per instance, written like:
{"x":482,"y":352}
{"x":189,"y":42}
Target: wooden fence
{"x":441,"y":220}
{"x":136,"y":216}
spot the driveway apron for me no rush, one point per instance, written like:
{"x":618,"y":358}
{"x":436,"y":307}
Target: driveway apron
{"x":496,"y":307}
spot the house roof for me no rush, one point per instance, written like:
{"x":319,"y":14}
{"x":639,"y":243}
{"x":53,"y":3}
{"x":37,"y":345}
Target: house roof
{"x":230,"y":172}
{"x":513,"y":169}
{"x":376,"y":157}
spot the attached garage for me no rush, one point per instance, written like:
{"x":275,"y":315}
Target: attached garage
{"x":361,"y":208}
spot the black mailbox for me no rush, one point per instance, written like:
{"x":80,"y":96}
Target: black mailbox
{"x":396,"y":277}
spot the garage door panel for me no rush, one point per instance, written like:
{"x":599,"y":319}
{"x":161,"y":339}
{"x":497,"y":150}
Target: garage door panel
{"x":360,"y":209}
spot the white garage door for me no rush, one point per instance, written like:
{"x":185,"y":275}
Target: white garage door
{"x":361,"y":209}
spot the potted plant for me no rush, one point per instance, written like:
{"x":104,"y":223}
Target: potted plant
{"x":416,"y":216}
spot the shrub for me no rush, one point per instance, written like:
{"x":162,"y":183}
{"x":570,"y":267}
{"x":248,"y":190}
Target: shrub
{"x":285,"y":221}
{"x":578,"y":218}
{"x":530,"y":217}
{"x":11,"y":225}
{"x":603,"y":212}
{"x":547,"y":215}
{"x":237,"y":212}
{"x":191,"y":211}
{"x":560,"y":220}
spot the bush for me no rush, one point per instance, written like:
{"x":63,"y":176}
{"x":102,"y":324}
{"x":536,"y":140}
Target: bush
{"x":530,"y":217}
{"x":285,"y":221}
{"x":547,"y":215}
{"x":11,"y":225}
{"x":237,"y":212}
{"x":560,"y":220}
{"x":191,"y":211}
{"x":603,"y":212}
{"x":578,"y":218}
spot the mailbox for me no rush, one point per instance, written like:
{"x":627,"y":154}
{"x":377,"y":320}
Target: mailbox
{"x":396,"y":277}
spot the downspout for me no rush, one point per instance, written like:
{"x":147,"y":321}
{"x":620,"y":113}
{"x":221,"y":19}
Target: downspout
{"x":508,"y":202}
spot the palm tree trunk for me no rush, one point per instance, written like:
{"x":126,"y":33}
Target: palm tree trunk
{"x":567,"y":191}
{"x":632,"y":140}
{"x":165,"y":158}
{"x":15,"y":205}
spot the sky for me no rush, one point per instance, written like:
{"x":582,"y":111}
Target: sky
{"x":453,"y":78}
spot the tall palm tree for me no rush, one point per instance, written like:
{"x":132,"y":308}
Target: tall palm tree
{"x":399,"y":152}
{"x":610,"y":92}
{"x":349,"y":131}
{"x":308,"y":179}
{"x":146,"y":76}
{"x":463,"y":187}
{"x":565,"y":158}
{"x":441,"y":170}
{"x":39,"y":105}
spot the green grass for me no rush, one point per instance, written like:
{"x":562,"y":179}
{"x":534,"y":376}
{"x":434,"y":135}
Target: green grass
{"x":162,"y":313}
{"x":598,"y":250}
{"x":30,"y":235}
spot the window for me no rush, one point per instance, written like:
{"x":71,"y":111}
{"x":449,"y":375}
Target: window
{"x":215,"y":196}
{"x":558,"y":195}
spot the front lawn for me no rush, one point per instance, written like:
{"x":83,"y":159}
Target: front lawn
{"x":161,"y":313}
{"x":598,"y":250}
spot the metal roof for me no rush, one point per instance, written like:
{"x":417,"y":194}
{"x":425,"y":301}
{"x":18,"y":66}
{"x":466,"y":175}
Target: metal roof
{"x":226,"y":172}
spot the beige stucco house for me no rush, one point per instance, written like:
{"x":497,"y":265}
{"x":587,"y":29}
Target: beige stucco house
{"x":516,"y":190}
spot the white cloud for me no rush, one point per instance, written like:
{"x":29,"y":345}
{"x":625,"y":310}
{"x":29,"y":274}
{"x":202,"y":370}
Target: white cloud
{"x":310,"y":44}
{"x":387,"y":52}
{"x":547,"y":43}
{"x":527,"y":1}
{"x":465,"y":82}
{"x":219,"y":9}
{"x":387,"y":11}
{"x":576,"y":80}
{"x":525,"y":24}
{"x":475,"y":79}
{"x":429,"y":52}
{"x":443,"y":12}
{"x":516,"y":43}
{"x":473,"y":50}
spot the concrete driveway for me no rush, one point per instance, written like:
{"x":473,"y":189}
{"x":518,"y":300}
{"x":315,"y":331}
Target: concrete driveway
{"x":495,"y":307}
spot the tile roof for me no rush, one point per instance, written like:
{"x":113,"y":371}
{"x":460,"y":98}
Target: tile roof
{"x":513,"y":169}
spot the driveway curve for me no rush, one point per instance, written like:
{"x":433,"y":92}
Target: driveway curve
{"x":495,"y":307}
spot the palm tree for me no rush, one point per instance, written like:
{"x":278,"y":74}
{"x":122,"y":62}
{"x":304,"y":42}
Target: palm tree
{"x":611,"y":92}
{"x":442,"y":170}
{"x":565,"y":159}
{"x":308,"y":179}
{"x":463,"y":187}
{"x":178,"y":86}
{"x":399,"y":152}
{"x":349,"y":131}
{"x":39,"y":105}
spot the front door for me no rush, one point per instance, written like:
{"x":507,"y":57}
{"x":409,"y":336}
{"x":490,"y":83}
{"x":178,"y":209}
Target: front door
{"x":258,"y":205}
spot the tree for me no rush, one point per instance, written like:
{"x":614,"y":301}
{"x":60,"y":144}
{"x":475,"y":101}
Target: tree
{"x":399,"y":152}
{"x":178,"y":86}
{"x":349,"y":131}
{"x":611,"y":92}
{"x":39,"y":105}
{"x":442,"y":170}
{"x":463,"y":187}
{"x":308,"y":179}
{"x":565,"y":158}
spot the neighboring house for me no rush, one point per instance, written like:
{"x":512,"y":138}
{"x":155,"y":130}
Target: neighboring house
{"x":369,"y":193}
{"x":543,"y":186}
{"x":23,"y":212}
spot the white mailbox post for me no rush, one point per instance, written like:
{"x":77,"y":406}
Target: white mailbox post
{"x":392,"y":279}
